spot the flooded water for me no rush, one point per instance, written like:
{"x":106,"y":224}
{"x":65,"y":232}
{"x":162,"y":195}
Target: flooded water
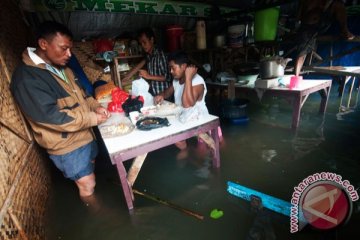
{"x":263,"y":155}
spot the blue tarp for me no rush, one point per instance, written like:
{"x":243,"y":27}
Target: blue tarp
{"x":80,"y":74}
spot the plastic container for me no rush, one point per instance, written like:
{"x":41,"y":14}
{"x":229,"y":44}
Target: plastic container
{"x":236,"y":35}
{"x":265,"y":26}
{"x":234,"y":109}
{"x":103,"y":45}
{"x":295,"y":81}
{"x":174,"y":35}
{"x":200,"y":34}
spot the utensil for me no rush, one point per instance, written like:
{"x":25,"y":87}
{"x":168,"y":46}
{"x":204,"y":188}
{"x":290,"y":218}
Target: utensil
{"x":273,"y":67}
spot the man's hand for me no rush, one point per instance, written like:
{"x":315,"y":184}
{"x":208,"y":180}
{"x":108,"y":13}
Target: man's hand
{"x":144,"y":74}
{"x":102,"y":114}
{"x":158,"y":99}
{"x":103,"y":111}
{"x":101,"y":118}
{"x":190,"y":72}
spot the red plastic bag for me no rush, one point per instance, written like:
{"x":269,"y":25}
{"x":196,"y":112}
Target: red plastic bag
{"x":118,"y":98}
{"x":115,"y":107}
{"x":119,"y":95}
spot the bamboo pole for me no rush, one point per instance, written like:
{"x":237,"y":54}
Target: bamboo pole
{"x":169,"y":204}
{"x":17,"y":223}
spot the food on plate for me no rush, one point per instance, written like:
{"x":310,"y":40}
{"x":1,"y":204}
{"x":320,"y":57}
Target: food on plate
{"x":116,"y":129}
{"x":167,"y":109}
{"x":166,"y":106}
{"x":149,"y":121}
{"x":148,"y":110}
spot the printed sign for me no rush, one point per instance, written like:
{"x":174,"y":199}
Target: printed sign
{"x":134,"y":6}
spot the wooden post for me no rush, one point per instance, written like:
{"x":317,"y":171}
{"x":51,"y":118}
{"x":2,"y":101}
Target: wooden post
{"x":208,"y":140}
{"x":231,"y":89}
{"x":135,"y":168}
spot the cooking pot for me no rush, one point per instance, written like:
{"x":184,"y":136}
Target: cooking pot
{"x":273,"y":67}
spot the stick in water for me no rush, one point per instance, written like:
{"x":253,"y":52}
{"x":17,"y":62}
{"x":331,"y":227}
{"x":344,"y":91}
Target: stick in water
{"x":169,"y":204}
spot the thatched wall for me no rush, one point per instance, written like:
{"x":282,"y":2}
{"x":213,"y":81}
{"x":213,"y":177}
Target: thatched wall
{"x":86,"y":57}
{"x":24,"y":178}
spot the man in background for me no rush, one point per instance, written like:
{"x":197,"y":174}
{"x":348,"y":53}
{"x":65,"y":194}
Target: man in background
{"x":157,"y":69}
{"x":315,"y":17}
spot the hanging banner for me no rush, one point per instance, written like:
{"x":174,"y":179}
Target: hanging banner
{"x":135,"y":6}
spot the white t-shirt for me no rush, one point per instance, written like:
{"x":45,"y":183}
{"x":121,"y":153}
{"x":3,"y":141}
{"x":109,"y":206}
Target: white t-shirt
{"x":179,"y":89}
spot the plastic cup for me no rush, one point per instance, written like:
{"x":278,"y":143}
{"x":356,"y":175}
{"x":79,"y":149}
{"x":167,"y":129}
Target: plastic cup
{"x":295,"y":82}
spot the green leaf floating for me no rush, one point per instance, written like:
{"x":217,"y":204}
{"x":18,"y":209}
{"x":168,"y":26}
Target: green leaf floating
{"x":216,"y":213}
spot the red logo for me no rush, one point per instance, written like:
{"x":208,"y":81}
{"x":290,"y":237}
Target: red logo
{"x":325,"y":205}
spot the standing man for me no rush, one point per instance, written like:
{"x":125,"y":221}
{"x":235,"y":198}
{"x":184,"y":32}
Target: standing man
{"x":56,"y":107}
{"x":188,"y":88}
{"x":315,"y":17}
{"x":157,"y":69}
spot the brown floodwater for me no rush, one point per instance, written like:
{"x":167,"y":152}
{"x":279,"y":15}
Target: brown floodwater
{"x":262,"y":154}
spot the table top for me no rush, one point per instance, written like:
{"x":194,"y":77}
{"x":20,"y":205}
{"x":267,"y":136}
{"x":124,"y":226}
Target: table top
{"x":336,"y":70}
{"x":304,"y":85}
{"x":138,"y":137}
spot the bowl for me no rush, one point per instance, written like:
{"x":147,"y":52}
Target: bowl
{"x":250,"y":78}
{"x":242,"y":82}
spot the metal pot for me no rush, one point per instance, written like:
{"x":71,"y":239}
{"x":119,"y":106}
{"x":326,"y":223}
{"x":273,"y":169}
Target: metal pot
{"x":273,"y":67}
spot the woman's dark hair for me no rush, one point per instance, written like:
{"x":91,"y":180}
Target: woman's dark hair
{"x":149,"y":33}
{"x":179,"y":57}
{"x":49,"y":29}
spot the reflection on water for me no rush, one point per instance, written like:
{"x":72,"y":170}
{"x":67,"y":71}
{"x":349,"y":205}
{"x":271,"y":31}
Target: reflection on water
{"x":262,"y":228}
{"x":258,"y":155}
{"x":305,"y":145}
{"x":268,"y":154}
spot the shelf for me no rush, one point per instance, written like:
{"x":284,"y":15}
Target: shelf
{"x":121,"y":57}
{"x":129,"y":57}
{"x":117,"y":61}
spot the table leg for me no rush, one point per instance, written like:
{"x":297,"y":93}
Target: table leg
{"x":341,"y":107}
{"x":296,"y":112}
{"x":216,"y":156}
{"x":125,"y":185}
{"x":350,"y":93}
{"x":324,"y":93}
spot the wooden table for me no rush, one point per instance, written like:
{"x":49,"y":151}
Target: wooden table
{"x":138,"y":143}
{"x":298,"y":95}
{"x":349,"y":75}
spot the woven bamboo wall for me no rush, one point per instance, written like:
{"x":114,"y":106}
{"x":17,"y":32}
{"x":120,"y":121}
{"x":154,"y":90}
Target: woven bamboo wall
{"x":85,"y":55}
{"x":24,"y":178}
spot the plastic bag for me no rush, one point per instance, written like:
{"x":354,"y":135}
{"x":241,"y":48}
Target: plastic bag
{"x":132,"y":104}
{"x":149,"y":123}
{"x":141,"y":88}
{"x":189,"y":114}
{"x":118,"y":98}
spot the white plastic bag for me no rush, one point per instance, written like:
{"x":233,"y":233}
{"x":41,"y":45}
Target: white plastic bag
{"x":141,"y":87}
{"x":189,"y":114}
